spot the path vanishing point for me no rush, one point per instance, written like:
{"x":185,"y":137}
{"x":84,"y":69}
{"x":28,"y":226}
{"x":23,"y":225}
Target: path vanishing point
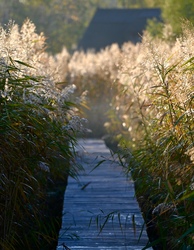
{"x":100,"y":211}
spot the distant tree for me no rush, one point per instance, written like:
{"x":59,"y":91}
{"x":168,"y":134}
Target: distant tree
{"x":131,"y":3}
{"x":139,"y":3}
{"x":154,"y":3}
{"x":174,"y":11}
{"x":10,"y":10}
{"x":62,"y":21}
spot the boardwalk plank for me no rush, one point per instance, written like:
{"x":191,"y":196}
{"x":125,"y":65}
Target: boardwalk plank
{"x":103,"y":195}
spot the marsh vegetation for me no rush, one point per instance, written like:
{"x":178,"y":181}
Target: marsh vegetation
{"x":139,"y":97}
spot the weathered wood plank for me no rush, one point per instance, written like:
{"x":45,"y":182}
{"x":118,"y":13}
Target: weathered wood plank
{"x":103,"y":195}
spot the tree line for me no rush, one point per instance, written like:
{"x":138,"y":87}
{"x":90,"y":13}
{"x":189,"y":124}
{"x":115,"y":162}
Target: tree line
{"x":64,"y":21}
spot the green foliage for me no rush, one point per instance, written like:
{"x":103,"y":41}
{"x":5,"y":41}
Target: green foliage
{"x":175,"y":11}
{"x":133,"y":3}
{"x":62,"y":21}
{"x":155,"y":28}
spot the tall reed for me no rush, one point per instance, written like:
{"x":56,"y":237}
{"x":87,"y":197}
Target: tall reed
{"x":37,"y":133}
{"x":149,"y":112}
{"x":160,"y":122}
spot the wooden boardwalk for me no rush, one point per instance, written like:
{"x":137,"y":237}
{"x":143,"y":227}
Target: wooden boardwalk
{"x":100,"y":211}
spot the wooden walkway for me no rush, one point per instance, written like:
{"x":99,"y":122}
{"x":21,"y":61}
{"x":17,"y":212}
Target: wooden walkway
{"x":100,"y":211}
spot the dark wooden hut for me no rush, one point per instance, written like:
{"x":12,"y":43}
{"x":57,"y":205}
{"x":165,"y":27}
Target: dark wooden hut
{"x":110,"y":26}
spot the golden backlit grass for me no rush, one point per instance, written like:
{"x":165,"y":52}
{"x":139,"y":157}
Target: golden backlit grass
{"x":147,"y":92}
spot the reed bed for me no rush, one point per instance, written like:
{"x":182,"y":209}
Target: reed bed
{"x":144,"y":93}
{"x":38,"y":129}
{"x":139,"y":97}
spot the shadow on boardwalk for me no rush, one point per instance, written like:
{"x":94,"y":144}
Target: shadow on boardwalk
{"x":100,"y":211}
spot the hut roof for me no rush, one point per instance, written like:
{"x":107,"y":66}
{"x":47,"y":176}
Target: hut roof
{"x":110,"y":26}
